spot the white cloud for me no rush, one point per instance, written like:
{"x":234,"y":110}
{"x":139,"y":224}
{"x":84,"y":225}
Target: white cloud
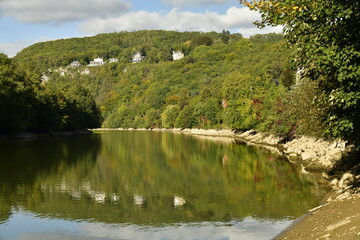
{"x":247,"y":32}
{"x":183,"y":3}
{"x":11,"y":49}
{"x":234,"y":18}
{"x":56,"y":11}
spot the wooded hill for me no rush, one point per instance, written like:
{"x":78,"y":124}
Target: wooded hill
{"x":224,"y":80}
{"x":157,"y":46}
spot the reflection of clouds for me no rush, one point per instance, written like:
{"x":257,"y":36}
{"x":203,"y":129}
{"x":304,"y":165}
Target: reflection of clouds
{"x":49,"y":236}
{"x":249,"y":229}
{"x":179,"y":201}
{"x":138,"y":199}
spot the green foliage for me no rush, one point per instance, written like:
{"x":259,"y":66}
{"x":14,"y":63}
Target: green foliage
{"x":120,"y":117}
{"x":157,"y":46}
{"x":169,"y":115}
{"x":325,"y":35}
{"x":26,"y":104}
{"x":152,"y":118}
{"x":187,"y":93}
{"x":202,"y":40}
{"x":206,"y":112}
{"x":16,"y":96}
{"x":186,"y":119}
{"x":303,"y":111}
{"x":81,"y":110}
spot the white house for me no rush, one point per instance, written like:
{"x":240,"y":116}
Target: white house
{"x":137,"y":57}
{"x":299,"y":76}
{"x":44,"y":78}
{"x":178,"y":55}
{"x":97,"y":62}
{"x":113,"y":60}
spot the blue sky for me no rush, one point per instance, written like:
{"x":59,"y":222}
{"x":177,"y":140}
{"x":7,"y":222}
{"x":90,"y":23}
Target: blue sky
{"x":24,"y":22}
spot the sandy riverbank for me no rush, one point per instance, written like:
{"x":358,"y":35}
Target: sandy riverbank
{"x":338,"y":216}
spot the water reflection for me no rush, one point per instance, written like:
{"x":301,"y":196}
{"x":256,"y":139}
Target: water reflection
{"x":43,"y":228}
{"x":150,"y":179}
{"x":25,"y":163}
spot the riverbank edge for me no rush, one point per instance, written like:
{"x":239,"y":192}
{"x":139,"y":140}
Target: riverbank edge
{"x":31,"y":135}
{"x":315,"y":155}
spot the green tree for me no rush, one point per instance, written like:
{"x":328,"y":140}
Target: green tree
{"x":119,"y":118}
{"x":81,"y":109}
{"x":206,"y":112}
{"x":169,"y":115}
{"x":325,"y":35}
{"x":17,"y":95}
{"x":202,"y":40}
{"x":152,"y":118}
{"x":186,"y":119}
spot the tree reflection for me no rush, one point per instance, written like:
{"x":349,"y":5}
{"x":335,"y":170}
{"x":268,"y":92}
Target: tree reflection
{"x":24,"y":163}
{"x":157,"y":178}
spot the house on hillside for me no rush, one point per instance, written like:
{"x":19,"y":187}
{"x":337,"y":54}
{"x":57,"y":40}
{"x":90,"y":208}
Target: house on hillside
{"x":299,"y":76}
{"x":177,"y":55}
{"x":97,"y":62}
{"x":113,"y":60}
{"x":137,"y":57}
{"x":75,"y":64}
{"x":44,"y":78}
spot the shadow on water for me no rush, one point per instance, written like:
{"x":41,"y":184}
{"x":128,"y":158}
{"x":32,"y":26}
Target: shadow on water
{"x":24,"y":162}
{"x":151,"y":178}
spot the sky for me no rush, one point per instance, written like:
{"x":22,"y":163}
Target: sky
{"x":25,"y":22}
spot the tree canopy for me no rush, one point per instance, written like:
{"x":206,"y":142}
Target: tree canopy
{"x":325,"y":37}
{"x":28,"y":105}
{"x":224,"y":81}
{"x":219,"y":83}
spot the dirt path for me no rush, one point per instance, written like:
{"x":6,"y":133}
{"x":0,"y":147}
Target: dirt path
{"x":337,"y":219}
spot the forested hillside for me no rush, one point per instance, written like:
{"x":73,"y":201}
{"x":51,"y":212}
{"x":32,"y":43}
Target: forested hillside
{"x":157,"y":46}
{"x":224,"y":80}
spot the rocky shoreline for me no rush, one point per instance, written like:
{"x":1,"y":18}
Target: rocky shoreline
{"x":338,"y":216}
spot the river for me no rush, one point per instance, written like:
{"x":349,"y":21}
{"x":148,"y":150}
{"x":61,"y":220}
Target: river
{"x":148,"y":185}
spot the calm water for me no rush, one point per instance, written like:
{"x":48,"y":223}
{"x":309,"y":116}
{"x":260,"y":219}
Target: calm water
{"x":147,"y":185}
